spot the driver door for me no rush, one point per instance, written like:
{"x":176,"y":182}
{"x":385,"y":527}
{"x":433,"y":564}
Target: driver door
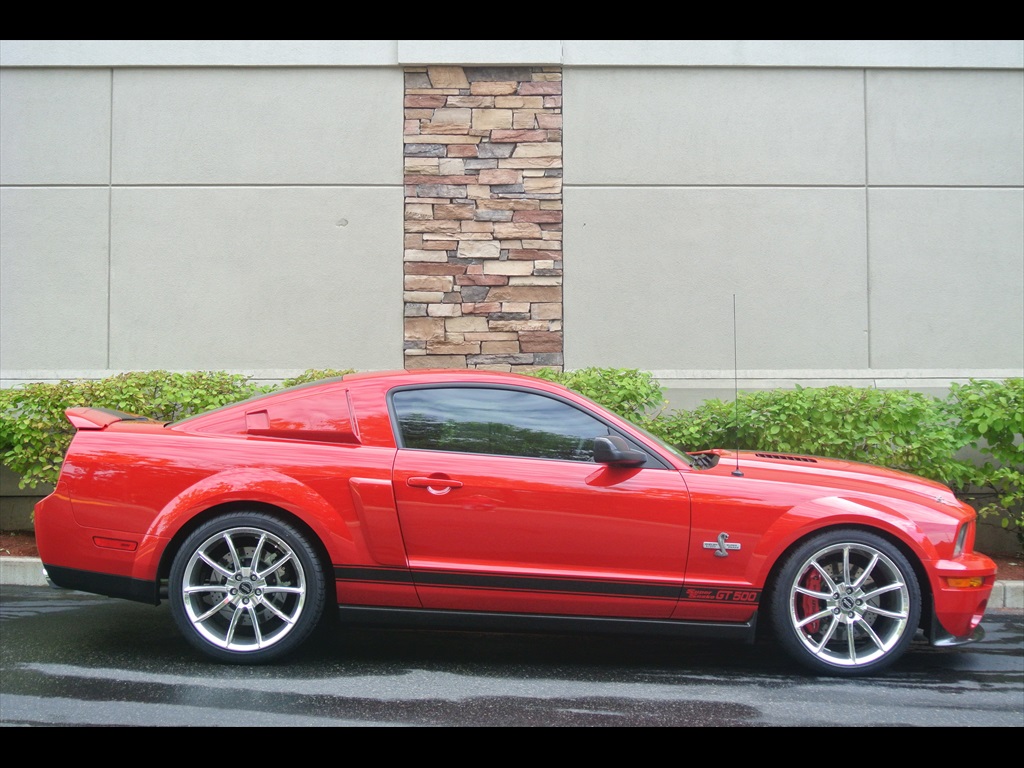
{"x":502,"y":508}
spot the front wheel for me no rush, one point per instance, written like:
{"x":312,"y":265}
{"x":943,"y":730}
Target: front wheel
{"x":246,"y":587}
{"x":846,"y":603}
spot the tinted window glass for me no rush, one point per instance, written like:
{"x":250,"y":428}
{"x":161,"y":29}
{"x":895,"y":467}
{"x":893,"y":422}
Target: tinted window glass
{"x":495,"y":421}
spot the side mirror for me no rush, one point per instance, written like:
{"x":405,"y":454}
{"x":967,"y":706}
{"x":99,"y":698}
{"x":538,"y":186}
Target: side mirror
{"x":615,"y":451}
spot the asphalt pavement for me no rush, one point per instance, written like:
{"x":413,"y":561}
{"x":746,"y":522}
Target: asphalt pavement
{"x":73,"y":659}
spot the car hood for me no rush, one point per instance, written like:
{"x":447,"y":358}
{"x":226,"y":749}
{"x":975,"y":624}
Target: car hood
{"x":839,"y":476}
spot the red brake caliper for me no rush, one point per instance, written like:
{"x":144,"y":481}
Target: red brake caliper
{"x":811,"y":605}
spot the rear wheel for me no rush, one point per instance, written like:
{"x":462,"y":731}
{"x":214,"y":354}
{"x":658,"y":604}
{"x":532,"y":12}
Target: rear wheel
{"x":846,"y":603}
{"x":246,"y":587}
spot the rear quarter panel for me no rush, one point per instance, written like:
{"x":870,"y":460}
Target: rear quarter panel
{"x":145,"y":483}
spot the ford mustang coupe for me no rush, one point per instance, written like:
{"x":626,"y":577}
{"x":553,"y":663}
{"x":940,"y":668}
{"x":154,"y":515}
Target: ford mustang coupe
{"x":484,"y":500}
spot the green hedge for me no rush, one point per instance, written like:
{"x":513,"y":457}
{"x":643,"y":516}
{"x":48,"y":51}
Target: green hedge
{"x":314,"y":374}
{"x":990,"y":418}
{"x":34,"y":433}
{"x":628,"y":392}
{"x":905,"y":430}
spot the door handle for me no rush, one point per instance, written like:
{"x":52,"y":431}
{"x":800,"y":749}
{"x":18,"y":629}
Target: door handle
{"x":433,"y":483}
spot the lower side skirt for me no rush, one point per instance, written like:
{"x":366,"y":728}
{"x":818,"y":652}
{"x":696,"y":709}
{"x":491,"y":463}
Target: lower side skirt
{"x":103,"y":584}
{"x":421,"y":618}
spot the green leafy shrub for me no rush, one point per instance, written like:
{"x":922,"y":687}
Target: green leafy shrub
{"x":990,"y":416}
{"x":710,"y":425}
{"x":895,"y":428}
{"x":631,"y":393}
{"x":34,"y":433}
{"x":169,"y":396}
{"x":315,"y":374}
{"x":904,"y":430}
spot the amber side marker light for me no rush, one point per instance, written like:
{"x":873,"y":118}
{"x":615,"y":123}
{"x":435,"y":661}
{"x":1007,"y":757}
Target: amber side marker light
{"x":122,"y":544}
{"x":966,"y":583}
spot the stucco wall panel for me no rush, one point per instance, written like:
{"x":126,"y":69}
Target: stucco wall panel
{"x":53,"y":278}
{"x":713,"y":126}
{"x":257,"y":126}
{"x":54,"y":126}
{"x":651,"y":281}
{"x":947,"y":278}
{"x":256,"y":278}
{"x":946,"y":128}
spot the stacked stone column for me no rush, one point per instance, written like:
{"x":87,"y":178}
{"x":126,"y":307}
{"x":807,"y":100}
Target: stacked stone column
{"x":483,"y":218}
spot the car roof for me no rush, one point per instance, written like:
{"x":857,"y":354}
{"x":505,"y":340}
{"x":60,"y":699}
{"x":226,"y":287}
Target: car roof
{"x":440,"y":373}
{"x":373,"y":383}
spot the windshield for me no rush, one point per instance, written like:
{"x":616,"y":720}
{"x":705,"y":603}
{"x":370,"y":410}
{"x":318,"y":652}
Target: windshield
{"x":666,"y":446}
{"x":653,"y":438}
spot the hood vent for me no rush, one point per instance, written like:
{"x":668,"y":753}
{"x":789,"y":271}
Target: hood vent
{"x":786,"y":457}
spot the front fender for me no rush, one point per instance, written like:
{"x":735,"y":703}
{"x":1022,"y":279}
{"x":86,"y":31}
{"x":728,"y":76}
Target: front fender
{"x":825,"y":512}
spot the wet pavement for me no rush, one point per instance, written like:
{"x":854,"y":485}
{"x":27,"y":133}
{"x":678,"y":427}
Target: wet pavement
{"x":68,"y":658}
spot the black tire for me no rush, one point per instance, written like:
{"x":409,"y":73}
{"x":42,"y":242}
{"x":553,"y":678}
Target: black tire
{"x":846,"y":603}
{"x":236,"y":611}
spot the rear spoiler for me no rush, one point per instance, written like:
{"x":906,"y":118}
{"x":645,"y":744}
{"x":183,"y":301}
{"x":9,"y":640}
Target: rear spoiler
{"x":98,"y":418}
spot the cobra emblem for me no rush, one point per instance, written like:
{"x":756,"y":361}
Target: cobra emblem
{"x":721,"y":546}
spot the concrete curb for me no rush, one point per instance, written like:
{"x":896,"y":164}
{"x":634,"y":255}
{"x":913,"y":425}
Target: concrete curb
{"x":22,"y":572}
{"x":1007,"y":595}
{"x":28,"y":572}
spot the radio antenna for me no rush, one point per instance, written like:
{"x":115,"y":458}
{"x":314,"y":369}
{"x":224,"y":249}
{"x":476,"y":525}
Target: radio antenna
{"x":736,"y":389}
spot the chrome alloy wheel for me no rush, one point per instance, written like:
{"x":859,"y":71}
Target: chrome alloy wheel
{"x":243,"y":589}
{"x":851,"y":605}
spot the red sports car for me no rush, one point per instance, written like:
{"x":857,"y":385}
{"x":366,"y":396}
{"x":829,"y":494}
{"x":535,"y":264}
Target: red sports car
{"x":495,"y":501}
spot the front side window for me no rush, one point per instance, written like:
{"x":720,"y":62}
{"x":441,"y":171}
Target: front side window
{"x":504,"y":422}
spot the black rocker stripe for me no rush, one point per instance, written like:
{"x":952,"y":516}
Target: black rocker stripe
{"x":368,"y":575}
{"x":562,"y":585}
{"x":551,"y":585}
{"x":696,"y":593}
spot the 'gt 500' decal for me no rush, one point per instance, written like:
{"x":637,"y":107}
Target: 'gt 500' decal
{"x":714,"y":595}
